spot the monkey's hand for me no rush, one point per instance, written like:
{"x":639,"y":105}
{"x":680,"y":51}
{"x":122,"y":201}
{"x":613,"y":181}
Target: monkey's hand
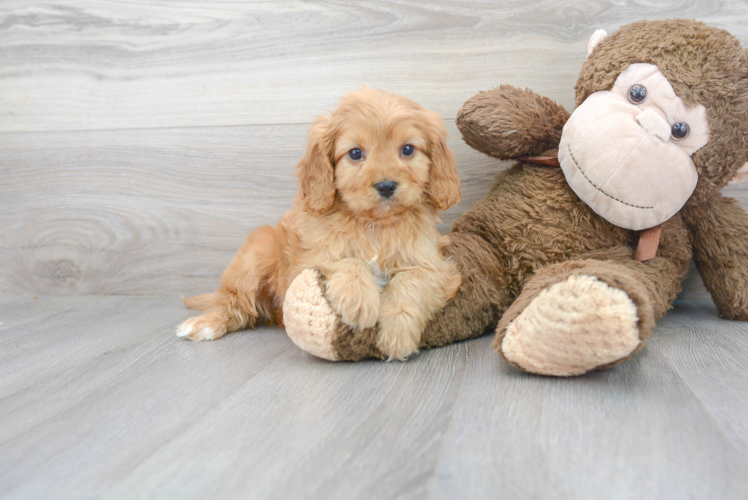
{"x":508,"y":122}
{"x":720,"y":250}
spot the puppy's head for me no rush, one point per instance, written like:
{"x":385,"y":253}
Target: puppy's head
{"x":378,"y":154}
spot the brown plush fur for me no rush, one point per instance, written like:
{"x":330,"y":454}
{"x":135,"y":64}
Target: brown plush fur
{"x":508,"y":122}
{"x":705,"y":65}
{"x":532,"y":231}
{"x":342,"y":225}
{"x":720,"y":243}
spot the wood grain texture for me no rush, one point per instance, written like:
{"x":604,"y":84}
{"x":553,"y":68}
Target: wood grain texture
{"x":99,"y":399}
{"x":73,"y":64}
{"x":141,"y":141}
{"x":154,"y":211}
{"x":712,"y":359}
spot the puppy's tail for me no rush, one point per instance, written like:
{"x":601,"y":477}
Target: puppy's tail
{"x":200,"y":302}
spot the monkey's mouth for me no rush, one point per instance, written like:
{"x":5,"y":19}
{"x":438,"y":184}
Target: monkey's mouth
{"x":576,"y":164}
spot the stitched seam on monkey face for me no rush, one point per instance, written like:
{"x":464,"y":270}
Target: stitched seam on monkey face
{"x":620,"y":164}
{"x":595,"y":186}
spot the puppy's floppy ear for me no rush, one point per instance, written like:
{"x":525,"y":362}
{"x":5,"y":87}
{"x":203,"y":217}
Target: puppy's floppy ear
{"x":444,"y":185}
{"x":315,"y":169}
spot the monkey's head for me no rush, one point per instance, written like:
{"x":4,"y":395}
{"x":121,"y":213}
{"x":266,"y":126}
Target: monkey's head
{"x":661,"y":117}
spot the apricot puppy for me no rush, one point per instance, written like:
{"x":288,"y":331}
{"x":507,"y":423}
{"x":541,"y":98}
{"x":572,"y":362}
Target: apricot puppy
{"x":374,"y":176}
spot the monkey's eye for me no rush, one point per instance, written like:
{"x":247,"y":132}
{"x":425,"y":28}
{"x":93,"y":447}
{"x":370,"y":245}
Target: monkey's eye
{"x":355,"y":154}
{"x":679,"y":131}
{"x":637,"y":94}
{"x":408,"y":150}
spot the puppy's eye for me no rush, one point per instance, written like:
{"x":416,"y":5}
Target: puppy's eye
{"x":679,"y":131}
{"x":637,"y":94}
{"x":408,"y":150}
{"x":355,"y":154}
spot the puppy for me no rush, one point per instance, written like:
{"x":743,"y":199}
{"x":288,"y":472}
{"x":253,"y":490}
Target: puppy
{"x":374,"y":176}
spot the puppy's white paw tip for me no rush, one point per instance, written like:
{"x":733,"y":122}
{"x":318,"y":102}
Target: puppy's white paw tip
{"x":204,"y":334}
{"x":183,"y":330}
{"x":190,"y":330}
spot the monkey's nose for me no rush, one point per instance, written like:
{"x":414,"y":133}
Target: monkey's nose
{"x":652,"y":122}
{"x":386,"y":188}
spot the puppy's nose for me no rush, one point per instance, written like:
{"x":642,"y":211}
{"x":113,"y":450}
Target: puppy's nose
{"x":386,"y":188}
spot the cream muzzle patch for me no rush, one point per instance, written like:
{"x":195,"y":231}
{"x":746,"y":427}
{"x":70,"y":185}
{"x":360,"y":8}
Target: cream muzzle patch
{"x":628,"y":158}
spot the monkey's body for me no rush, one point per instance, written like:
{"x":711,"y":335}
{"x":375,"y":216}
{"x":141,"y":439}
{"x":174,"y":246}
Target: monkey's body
{"x":525,"y":239}
{"x":508,"y":246}
{"x":559,"y":280}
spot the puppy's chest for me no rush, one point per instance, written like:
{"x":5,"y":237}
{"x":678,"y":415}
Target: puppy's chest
{"x":382,"y":256}
{"x":384,"y":249}
{"x":382,"y":275}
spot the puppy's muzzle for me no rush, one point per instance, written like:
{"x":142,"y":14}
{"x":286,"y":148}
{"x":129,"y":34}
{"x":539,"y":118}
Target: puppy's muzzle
{"x":386,"y":188}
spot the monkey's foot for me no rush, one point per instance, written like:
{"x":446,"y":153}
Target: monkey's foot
{"x":309,"y":319}
{"x":312,"y":324}
{"x":572,"y":327}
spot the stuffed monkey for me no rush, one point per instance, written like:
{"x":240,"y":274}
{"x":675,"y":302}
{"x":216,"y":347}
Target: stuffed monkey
{"x":573,"y":265}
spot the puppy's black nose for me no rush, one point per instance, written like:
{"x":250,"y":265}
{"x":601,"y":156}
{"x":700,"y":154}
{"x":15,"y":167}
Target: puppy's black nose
{"x":386,"y":188}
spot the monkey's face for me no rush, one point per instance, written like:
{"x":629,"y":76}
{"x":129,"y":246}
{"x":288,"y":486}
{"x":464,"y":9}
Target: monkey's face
{"x":627,"y":152}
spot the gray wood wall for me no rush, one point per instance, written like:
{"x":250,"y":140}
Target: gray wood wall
{"x":141,"y":140}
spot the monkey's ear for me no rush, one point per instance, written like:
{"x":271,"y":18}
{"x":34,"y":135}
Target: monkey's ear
{"x":741,"y":175}
{"x":315,"y":169}
{"x":597,"y":37}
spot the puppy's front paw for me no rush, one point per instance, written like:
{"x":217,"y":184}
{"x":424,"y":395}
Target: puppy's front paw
{"x":399,"y":336}
{"x":355,"y":300}
{"x":202,"y":328}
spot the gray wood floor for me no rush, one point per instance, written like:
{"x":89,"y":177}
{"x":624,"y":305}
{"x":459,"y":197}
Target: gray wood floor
{"x":98,"y":398}
{"x":141,"y":140}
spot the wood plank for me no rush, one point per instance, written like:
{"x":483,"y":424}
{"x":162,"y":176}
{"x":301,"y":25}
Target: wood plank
{"x":86,"y":391}
{"x":143,"y":414}
{"x":711,"y":355}
{"x":311,"y":429}
{"x":635,"y":431}
{"x":82,"y":64}
{"x":154,"y":211}
{"x":37,"y":335}
{"x":119,"y":424}
{"x":134,"y":211}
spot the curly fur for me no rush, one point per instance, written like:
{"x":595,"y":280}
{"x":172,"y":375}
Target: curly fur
{"x":340,"y":224}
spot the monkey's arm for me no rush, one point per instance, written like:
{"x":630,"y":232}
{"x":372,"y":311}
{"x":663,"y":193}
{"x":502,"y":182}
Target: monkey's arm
{"x":720,"y":244}
{"x":508,"y":122}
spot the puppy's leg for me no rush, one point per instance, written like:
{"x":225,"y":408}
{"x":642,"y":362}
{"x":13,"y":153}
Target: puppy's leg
{"x":245,"y":293}
{"x":353,"y":292}
{"x":409,"y":301}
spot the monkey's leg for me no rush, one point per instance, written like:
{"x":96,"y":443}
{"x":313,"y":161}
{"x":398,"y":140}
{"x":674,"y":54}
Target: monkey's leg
{"x":720,"y":243}
{"x":582,"y":315}
{"x":478,"y":303}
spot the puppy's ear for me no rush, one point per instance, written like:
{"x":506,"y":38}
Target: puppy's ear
{"x":315,"y":169}
{"x":444,"y":185}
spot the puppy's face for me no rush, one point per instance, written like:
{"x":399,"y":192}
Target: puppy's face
{"x":381,"y":165}
{"x":386,"y":155}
